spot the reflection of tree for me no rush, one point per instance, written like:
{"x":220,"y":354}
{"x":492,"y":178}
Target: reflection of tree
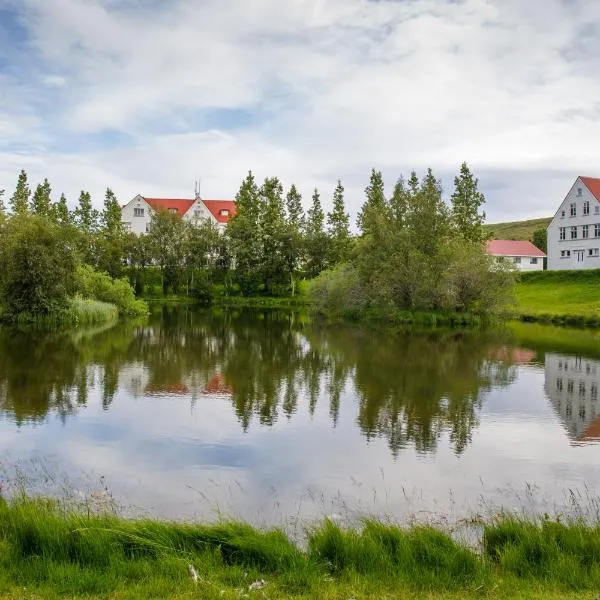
{"x":409,"y":387}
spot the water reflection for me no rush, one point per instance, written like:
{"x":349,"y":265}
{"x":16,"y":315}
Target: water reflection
{"x":572,"y":383}
{"x":406,"y":388}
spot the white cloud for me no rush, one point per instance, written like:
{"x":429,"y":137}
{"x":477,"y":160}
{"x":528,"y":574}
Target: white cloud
{"x":328,"y":89}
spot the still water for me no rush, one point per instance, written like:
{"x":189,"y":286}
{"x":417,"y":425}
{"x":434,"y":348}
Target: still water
{"x":265,"y":416}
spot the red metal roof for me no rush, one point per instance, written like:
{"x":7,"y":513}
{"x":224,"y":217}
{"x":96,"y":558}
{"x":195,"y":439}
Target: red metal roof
{"x":512,"y":248}
{"x":217,"y":206}
{"x":180,"y":204}
{"x":592,"y":184}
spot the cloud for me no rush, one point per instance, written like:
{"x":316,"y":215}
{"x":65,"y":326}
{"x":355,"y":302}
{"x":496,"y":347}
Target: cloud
{"x":146,"y":95}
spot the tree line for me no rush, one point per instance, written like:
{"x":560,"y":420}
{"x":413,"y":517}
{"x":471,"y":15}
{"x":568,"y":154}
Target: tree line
{"x":413,"y":249}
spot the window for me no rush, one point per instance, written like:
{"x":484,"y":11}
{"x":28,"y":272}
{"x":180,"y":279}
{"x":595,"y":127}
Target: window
{"x":597,"y":210}
{"x":573,"y":233}
{"x":197,"y":213}
{"x":562,"y":214}
{"x":559,"y":384}
{"x":172,"y":210}
{"x":594,"y":252}
{"x":148,"y":227}
{"x":534,"y":261}
{"x":563,"y":233}
{"x":579,"y":191}
{"x":138,"y":212}
{"x":582,"y":388}
{"x":585,"y":232}
{"x":586,"y":208}
{"x":565,"y":254}
{"x":573,"y":209}
{"x":127,"y":226}
{"x":517,"y":260}
{"x":594,"y":391}
{"x":224,"y":212}
{"x":569,"y":386}
{"x":597,"y":230}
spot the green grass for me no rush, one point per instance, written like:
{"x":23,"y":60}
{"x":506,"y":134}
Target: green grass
{"x":516,"y":230}
{"x":563,"y":297}
{"x":48,"y":551}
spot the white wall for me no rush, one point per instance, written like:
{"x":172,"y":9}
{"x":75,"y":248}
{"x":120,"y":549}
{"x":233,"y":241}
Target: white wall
{"x":525,"y":263}
{"x":198,"y":212}
{"x":578,"y":248}
{"x":137,"y":224}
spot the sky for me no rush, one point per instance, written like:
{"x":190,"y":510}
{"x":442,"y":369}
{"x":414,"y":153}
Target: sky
{"x":147,"y":96}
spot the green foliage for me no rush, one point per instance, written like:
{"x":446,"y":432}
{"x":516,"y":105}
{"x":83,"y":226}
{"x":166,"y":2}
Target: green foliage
{"x":515,"y":230}
{"x":37,"y":267}
{"x":540,"y":239}
{"x":467,"y":201}
{"x":111,"y":239}
{"x":19,"y":201}
{"x":316,"y":239}
{"x":338,"y":222}
{"x":60,"y":213}
{"x":413,"y":255}
{"x":99,"y":286}
{"x":41,"y":201}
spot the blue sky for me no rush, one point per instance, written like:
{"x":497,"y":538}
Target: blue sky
{"x":144,"y":96}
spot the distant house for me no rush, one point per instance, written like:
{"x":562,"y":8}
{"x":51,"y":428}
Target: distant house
{"x":574,"y":232}
{"x":136,"y":215}
{"x":523,"y":254}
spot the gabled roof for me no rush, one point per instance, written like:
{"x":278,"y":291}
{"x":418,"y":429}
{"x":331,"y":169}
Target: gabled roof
{"x":180,"y":204}
{"x":592,"y":184}
{"x":216,"y":206}
{"x":512,"y":248}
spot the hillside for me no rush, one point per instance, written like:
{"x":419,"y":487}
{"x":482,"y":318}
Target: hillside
{"x":516,"y":230}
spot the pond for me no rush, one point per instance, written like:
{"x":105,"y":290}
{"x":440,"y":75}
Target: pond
{"x":266,"y":416}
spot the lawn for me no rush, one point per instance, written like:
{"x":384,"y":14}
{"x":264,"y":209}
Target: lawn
{"x":47,"y":551}
{"x":560,"y":296}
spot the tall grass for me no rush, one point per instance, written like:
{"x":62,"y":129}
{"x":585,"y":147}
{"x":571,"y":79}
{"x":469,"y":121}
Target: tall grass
{"x":47,"y":547}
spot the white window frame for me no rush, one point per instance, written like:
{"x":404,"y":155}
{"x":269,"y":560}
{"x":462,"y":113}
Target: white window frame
{"x":574,"y":232}
{"x":586,"y":208}
{"x":585,"y":232}
{"x":563,"y":233}
{"x":573,"y":209}
{"x":138,"y":211}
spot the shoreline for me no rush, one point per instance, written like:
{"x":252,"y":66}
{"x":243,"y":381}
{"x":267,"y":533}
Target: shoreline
{"x":56,"y":552}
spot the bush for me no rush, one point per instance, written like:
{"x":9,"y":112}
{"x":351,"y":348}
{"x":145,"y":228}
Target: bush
{"x":202,"y":290}
{"x":37,"y":267}
{"x":99,"y":286}
{"x":338,"y":290}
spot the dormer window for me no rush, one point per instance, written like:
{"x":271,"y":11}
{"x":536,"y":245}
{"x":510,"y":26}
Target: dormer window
{"x":173,"y":211}
{"x":224,"y":212}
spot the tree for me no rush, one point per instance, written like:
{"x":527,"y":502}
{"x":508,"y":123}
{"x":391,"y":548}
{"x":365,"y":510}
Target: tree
{"x":274,"y":265}
{"x":167,"y":239}
{"x":467,"y":200}
{"x":86,"y":221}
{"x":295,"y":212}
{"x":540,"y":239}
{"x":60,"y":214}
{"x":19,"y":202}
{"x":293,"y":241}
{"x":375,"y":206}
{"x":244,"y":234}
{"x":37,"y":267}
{"x":41,"y":201}
{"x":2,"y":206}
{"x":317,"y":249}
{"x":111,"y":242}
{"x":338,"y":221}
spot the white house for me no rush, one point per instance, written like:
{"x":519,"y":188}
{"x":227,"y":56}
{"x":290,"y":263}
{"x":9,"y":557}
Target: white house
{"x":136,"y":215}
{"x":574,"y":232}
{"x":523,"y":254}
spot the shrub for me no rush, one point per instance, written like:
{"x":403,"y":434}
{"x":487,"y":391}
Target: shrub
{"x":100,"y":286}
{"x":37,"y":267}
{"x":338,"y":290}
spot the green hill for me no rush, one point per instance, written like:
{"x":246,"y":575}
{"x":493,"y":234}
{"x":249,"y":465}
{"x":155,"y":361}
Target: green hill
{"x":516,"y":230}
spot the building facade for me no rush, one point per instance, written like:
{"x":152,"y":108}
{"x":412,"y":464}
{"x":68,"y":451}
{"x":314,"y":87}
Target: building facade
{"x":521,"y":253}
{"x":136,"y":215}
{"x":574,"y":232}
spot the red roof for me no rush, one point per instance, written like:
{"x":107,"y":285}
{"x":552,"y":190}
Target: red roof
{"x":592,"y":184}
{"x":512,"y":248}
{"x":218,"y":208}
{"x":180,"y":204}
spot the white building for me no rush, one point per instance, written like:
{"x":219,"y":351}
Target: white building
{"x":136,"y":215}
{"x":523,"y":254}
{"x":574,"y":232}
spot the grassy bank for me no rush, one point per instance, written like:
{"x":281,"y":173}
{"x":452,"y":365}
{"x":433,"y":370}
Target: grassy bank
{"x":561,"y":297}
{"x":516,"y":230}
{"x":50,"y":552}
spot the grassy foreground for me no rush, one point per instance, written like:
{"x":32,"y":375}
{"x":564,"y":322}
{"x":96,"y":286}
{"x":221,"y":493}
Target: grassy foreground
{"x":48,"y":552}
{"x":563,"y":297}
